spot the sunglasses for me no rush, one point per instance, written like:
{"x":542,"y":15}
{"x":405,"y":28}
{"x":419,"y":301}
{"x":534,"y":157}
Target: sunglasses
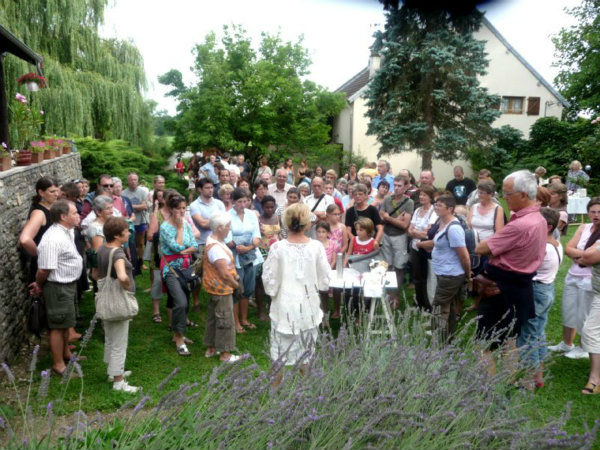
{"x":107,"y":185}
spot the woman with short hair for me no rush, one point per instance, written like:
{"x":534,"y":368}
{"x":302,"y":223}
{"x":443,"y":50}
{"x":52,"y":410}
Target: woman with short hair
{"x":558,"y":201}
{"x":245,"y":232}
{"x":293,"y":274}
{"x":102,"y":205}
{"x":219,"y":280}
{"x":576,"y":177}
{"x":485,"y":217}
{"x":225,"y":192}
{"x":116,"y":232}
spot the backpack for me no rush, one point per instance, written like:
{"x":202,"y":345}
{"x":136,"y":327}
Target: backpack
{"x":470,"y":240}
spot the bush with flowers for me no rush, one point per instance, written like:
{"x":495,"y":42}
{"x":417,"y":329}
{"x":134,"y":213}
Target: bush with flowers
{"x":25,"y":122}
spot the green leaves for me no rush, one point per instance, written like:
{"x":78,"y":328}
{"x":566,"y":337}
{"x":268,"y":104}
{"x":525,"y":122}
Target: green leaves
{"x":252,"y":100}
{"x":427,"y":97}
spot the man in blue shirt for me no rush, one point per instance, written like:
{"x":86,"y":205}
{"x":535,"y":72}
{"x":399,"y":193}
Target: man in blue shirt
{"x":208,"y":169}
{"x":202,"y":209}
{"x":383,"y":167}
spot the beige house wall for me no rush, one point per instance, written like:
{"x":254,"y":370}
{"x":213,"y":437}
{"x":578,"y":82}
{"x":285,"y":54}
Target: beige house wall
{"x":506,"y":76}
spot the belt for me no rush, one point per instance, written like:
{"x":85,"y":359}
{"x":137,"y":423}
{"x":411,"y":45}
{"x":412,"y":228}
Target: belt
{"x":63,"y":284}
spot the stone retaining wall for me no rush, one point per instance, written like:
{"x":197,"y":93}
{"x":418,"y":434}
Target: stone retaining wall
{"x":17,"y":187}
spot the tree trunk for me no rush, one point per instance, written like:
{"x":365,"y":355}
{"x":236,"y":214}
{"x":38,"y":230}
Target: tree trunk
{"x":426,"y":161}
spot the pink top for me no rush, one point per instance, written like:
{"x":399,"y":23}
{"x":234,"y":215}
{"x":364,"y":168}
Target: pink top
{"x":335,"y":238}
{"x":330,"y":251}
{"x":521,"y":245}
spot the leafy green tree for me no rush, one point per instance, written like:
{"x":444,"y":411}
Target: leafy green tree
{"x":578,"y":55}
{"x":94,"y":85}
{"x":426,"y":96}
{"x":499,"y":157}
{"x":253,"y":101}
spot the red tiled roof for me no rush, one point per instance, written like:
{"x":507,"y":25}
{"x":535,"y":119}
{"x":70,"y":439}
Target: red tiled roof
{"x":355,"y":84}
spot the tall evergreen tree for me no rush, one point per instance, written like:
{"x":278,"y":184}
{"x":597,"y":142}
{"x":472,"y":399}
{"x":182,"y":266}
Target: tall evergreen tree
{"x":94,"y":85}
{"x":426,"y":96}
{"x":578,"y":55}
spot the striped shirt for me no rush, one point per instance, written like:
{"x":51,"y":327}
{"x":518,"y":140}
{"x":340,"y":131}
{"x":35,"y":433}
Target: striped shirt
{"x":58,"y":254}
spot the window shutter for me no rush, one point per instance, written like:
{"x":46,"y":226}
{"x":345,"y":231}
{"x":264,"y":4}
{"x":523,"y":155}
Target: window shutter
{"x":533,"y":106}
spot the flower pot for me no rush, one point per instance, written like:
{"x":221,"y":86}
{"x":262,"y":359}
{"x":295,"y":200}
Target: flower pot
{"x":6,"y":163}
{"x":66,"y":150}
{"x":24,"y":158}
{"x":48,"y":154}
{"x":37,"y":157}
{"x":32,"y":86}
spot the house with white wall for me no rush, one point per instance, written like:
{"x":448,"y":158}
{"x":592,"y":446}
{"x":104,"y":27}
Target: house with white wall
{"x":526,"y":97}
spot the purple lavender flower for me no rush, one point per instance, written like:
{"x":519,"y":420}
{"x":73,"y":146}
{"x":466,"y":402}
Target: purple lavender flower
{"x":44,"y":384}
{"x":34,"y":358}
{"x":8,"y":372}
{"x":169,"y":377}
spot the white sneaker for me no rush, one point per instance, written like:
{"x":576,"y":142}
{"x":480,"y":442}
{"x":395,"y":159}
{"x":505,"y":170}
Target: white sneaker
{"x":232,"y":359}
{"x":562,"y":347}
{"x":124,"y":387}
{"x":577,"y":353}
{"x":125,"y":375}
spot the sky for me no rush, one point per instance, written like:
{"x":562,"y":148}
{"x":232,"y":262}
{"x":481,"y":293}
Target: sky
{"x":337,"y":33}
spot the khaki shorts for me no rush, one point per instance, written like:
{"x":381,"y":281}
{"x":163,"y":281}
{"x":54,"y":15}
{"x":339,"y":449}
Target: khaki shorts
{"x":60,"y":304}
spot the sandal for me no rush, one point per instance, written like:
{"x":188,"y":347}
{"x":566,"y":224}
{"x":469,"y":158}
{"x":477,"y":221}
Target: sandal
{"x":156,"y":318}
{"x":209,"y":354}
{"x":183,"y":351}
{"x":240,"y":330}
{"x":192,"y":324}
{"x":591,"y":388}
{"x":249,"y":325}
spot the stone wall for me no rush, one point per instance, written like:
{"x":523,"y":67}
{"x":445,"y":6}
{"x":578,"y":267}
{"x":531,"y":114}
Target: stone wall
{"x":17,"y":187}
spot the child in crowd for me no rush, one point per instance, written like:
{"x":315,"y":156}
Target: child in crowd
{"x":363,"y":243}
{"x":339,"y":238}
{"x":532,"y":340}
{"x":270,"y":231}
{"x":323,"y":236}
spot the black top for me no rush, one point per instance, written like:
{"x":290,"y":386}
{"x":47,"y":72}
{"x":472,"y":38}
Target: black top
{"x":461,"y":189}
{"x":352,"y":215}
{"x":43,"y":228}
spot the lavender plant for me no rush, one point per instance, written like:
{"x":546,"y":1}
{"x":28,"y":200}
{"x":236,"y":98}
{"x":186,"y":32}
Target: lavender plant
{"x":408,"y":391}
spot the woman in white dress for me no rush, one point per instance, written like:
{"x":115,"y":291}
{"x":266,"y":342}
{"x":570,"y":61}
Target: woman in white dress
{"x":486,"y":217}
{"x":293,"y":274}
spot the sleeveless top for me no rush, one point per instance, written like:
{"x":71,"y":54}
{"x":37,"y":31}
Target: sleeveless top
{"x":575,"y":269}
{"x":361,"y":247}
{"x":335,"y":239}
{"x":483,"y":224}
{"x":211,"y":280}
{"x":43,"y":228}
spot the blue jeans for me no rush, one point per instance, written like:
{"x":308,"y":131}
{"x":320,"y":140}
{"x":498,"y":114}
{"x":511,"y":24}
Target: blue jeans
{"x":532,"y":339}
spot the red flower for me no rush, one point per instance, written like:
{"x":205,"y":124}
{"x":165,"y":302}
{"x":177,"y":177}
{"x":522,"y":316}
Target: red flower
{"x":32,"y":77}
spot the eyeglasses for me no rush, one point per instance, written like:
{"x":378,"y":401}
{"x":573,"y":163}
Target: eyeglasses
{"x":508,"y":194}
{"x":107,"y":185}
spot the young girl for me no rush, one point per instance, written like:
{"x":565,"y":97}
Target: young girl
{"x":269,"y":230}
{"x":323,"y":236}
{"x":339,"y":233}
{"x":363,"y":243}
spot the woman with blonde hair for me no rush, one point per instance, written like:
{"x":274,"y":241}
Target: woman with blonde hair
{"x":293,"y":274}
{"x":225,"y":193}
{"x":576,"y":177}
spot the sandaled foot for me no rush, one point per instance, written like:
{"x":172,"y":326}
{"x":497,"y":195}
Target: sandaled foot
{"x":240,"y":330}
{"x":156,"y":318}
{"x":211,"y":353}
{"x":183,"y":351}
{"x":249,"y":325}
{"x":192,"y":324}
{"x":591,"y":388}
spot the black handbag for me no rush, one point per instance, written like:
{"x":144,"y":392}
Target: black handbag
{"x":37,"y":321}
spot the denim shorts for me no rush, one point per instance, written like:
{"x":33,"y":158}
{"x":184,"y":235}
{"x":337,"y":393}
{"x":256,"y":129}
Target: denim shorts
{"x":247,"y":275}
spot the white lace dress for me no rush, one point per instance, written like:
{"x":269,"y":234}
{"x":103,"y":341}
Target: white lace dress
{"x":293,"y":275}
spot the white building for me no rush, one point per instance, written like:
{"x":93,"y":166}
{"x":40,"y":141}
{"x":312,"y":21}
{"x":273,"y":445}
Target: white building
{"x":526,"y":97}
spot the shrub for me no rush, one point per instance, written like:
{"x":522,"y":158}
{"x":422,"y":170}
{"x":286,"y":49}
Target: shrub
{"x":408,"y":392}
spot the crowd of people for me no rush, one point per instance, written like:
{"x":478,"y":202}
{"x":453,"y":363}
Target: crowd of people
{"x":271,"y":239}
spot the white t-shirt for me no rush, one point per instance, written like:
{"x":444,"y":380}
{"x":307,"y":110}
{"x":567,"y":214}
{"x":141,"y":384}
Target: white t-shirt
{"x":311,"y":201}
{"x":422,"y":223}
{"x":218,"y":251}
{"x":549,"y":267}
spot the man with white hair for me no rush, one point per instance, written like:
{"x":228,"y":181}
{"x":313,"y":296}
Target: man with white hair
{"x":383,"y":173}
{"x":279,"y":189}
{"x":515,"y":253}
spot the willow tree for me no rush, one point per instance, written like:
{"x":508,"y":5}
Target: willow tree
{"x":94,"y":85}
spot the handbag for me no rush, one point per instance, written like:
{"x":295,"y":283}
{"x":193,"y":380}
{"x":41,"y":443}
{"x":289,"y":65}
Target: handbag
{"x":113,"y":303}
{"x":485,"y":286}
{"x":37,"y":320}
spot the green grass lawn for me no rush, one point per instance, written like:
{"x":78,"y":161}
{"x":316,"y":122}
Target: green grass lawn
{"x":151,"y":356}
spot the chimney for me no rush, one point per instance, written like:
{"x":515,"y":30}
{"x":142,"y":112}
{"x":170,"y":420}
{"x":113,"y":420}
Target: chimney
{"x":374,"y":64}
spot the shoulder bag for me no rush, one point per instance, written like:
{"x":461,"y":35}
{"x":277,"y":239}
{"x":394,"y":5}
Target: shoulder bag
{"x":113,"y":303}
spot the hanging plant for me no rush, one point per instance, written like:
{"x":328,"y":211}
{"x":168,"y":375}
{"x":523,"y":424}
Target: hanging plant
{"x":30,"y":79}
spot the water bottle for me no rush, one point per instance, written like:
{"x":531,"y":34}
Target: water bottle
{"x":339,"y":265}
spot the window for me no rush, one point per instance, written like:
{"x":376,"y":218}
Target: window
{"x":533,"y":106}
{"x":512,"y":105}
